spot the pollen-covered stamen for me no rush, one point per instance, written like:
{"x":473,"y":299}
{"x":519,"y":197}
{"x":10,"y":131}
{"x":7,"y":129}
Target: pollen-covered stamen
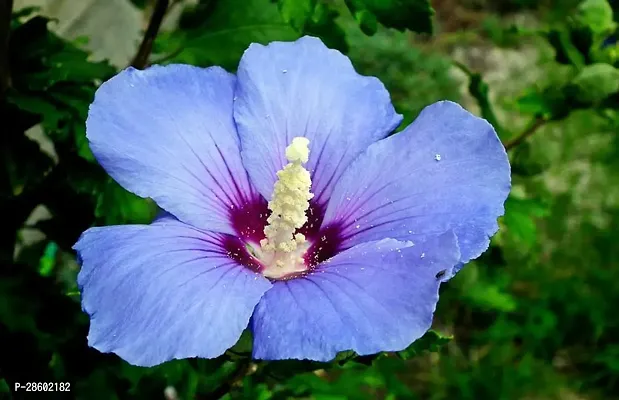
{"x":282,"y":248}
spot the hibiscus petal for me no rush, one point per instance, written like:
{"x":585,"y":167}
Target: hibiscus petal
{"x":377,"y":296}
{"x":168,"y":133}
{"x":164,"y":291}
{"x":447,"y":170}
{"x":302,"y":88}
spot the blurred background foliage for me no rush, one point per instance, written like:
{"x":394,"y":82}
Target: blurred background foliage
{"x":534,"y":318}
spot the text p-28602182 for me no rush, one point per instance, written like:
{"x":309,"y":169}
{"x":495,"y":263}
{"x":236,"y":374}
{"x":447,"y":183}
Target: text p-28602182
{"x":42,"y":387}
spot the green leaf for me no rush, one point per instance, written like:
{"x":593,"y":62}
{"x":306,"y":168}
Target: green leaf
{"x":595,"y":15}
{"x":578,"y":40}
{"x":116,"y":205}
{"x":431,"y":341}
{"x":414,"y":15}
{"x":533,"y":102}
{"x":49,"y":259}
{"x":217,"y":33}
{"x":314,"y":18}
{"x":521,"y":217}
{"x":55,"y":81}
{"x":243,"y":346}
{"x":550,"y":103}
{"x":297,"y":12}
{"x":487,"y":296}
{"x":367,"y":21}
{"x":322,"y":24}
{"x":594,"y":83}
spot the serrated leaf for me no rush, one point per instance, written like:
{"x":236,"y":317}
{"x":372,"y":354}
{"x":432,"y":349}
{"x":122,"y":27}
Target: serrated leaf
{"x":431,"y":341}
{"x":413,"y":15}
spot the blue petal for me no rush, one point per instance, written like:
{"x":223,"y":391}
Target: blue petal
{"x":164,"y":291}
{"x":302,"y":88}
{"x":447,"y":170}
{"x":168,"y":133}
{"x":377,"y":296}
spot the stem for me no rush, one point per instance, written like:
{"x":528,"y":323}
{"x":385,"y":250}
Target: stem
{"x":478,"y":88}
{"x":6,"y":8}
{"x":141,"y":58}
{"x":530,"y":130}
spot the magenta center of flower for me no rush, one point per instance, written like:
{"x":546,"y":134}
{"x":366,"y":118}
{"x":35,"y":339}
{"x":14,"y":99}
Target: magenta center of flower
{"x":249,"y":222}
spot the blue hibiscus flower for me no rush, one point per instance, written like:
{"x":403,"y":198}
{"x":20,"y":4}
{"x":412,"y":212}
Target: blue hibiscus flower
{"x":288,"y":209}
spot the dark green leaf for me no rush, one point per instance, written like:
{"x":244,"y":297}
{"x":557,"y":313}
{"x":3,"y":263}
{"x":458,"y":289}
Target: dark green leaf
{"x":414,"y":15}
{"x":431,"y":341}
{"x":55,"y":81}
{"x":314,"y":18}
{"x":285,"y":369}
{"x":118,"y":206}
{"x":25,"y":164}
{"x":551,"y":103}
{"x":297,"y":12}
{"x":367,"y":21}
{"x":243,"y":346}
{"x":219,"y":32}
{"x":323,"y":24}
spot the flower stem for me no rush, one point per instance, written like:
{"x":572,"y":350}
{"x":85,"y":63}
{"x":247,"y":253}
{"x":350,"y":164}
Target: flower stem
{"x":141,"y":58}
{"x":533,"y":126}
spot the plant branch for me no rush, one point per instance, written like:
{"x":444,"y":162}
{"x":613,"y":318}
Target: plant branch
{"x":6,"y":8}
{"x":533,"y":126}
{"x":141,"y":58}
{"x":479,"y":89}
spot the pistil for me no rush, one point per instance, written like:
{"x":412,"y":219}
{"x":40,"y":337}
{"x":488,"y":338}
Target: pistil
{"x":282,"y":249}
